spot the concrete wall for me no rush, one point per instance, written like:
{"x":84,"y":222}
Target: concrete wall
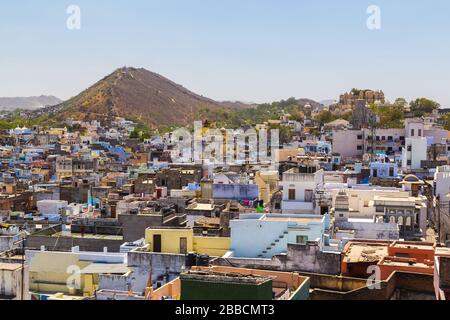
{"x":250,"y":237}
{"x":310,"y":258}
{"x":11,"y":283}
{"x":67,"y":243}
{"x":299,"y":258}
{"x":398,"y":286}
{"x":162,"y":267}
{"x":7,"y":242}
{"x":236,"y":191}
{"x":133,"y":226}
{"x":372,"y":230}
{"x":346,"y":142}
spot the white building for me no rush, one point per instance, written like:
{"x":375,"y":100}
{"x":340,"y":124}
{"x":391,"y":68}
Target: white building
{"x":299,"y":190}
{"x":414,"y":152}
{"x":52,"y":207}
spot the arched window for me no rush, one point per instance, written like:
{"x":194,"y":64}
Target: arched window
{"x":408,"y":221}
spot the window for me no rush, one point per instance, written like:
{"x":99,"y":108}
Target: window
{"x":409,"y":148}
{"x":408,"y":163}
{"x":390,"y":138}
{"x":383,"y":138}
{"x":420,"y":132}
{"x":391,"y":171}
{"x":302,"y":239}
{"x":308,"y":195}
{"x":291,"y":194}
{"x":412,"y":132}
{"x":360,"y":137}
{"x":359,"y":147}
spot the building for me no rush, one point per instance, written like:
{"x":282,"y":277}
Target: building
{"x":299,"y":190}
{"x":410,"y":213}
{"x":441,"y":190}
{"x":183,"y":241}
{"x":360,"y":228}
{"x":383,"y":170}
{"x":74,"y":273}
{"x":225,"y":283}
{"x":442,"y":273}
{"x":414,"y":153}
{"x":13,"y":281}
{"x":411,"y":257}
{"x":266,"y":235}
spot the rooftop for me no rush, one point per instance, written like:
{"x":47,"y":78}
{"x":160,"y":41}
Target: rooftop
{"x":87,"y":235}
{"x":10,"y":266}
{"x":365,"y":252}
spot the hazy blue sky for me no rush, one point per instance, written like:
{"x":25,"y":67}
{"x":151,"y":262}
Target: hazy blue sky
{"x":250,"y":50}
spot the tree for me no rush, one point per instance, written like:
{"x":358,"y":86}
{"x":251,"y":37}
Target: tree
{"x":135,"y":134}
{"x":422,"y":106}
{"x":325,"y":117}
{"x":401,"y":102}
{"x":390,"y":116}
{"x":445,"y":121}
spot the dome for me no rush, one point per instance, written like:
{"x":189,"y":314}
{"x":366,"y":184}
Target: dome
{"x":411,"y":178}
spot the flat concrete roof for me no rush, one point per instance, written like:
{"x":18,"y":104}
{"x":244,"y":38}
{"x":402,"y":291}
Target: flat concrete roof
{"x":299,"y":220}
{"x":10,"y":266}
{"x":87,"y":236}
{"x":413,"y":246}
{"x":105,"y":268}
{"x":365,"y":252}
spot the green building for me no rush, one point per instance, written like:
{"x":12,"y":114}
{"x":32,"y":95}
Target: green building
{"x":219,"y":286}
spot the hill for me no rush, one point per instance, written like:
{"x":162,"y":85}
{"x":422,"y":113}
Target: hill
{"x":139,"y":95}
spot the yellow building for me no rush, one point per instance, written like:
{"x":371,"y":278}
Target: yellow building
{"x":267,"y":182}
{"x":182,"y":241}
{"x":66,"y":274}
{"x":57,"y":131}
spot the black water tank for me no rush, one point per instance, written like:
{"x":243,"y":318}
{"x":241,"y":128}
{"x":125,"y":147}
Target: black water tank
{"x":202,"y":261}
{"x":191,"y":260}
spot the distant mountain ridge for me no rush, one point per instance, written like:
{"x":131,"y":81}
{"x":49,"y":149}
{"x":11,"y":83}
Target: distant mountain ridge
{"x":27,"y":103}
